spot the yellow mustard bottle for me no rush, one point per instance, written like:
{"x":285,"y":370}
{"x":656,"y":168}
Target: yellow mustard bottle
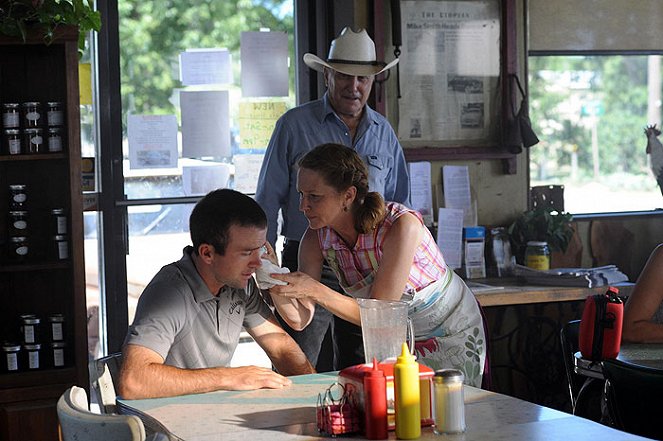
{"x":406,"y":396}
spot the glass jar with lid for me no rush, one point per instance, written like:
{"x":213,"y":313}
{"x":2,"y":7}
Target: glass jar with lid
{"x":32,"y":356}
{"x":56,"y":327}
{"x":18,"y":223}
{"x":11,"y":116}
{"x":54,"y":139}
{"x":18,"y":249}
{"x":18,"y":196}
{"x":537,"y":255}
{"x":32,"y":114}
{"x":34,"y":140}
{"x":54,"y":114}
{"x":59,"y":221}
{"x":10,"y":357}
{"x":13,"y":137}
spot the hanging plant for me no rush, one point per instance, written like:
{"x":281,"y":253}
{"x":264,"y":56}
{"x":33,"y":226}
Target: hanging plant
{"x":18,"y":18}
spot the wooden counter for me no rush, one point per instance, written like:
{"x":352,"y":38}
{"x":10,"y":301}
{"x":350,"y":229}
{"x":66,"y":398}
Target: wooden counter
{"x":511,"y":292}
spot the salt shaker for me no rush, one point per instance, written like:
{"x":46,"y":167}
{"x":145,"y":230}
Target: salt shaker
{"x":449,"y":401}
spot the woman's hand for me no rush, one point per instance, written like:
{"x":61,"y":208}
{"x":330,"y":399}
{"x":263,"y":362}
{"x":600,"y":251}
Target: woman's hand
{"x":300,"y":286}
{"x":270,"y":254}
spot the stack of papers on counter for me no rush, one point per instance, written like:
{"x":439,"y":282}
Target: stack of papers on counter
{"x":589,"y":277}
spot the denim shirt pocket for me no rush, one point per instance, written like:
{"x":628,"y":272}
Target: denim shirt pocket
{"x":379,"y":167}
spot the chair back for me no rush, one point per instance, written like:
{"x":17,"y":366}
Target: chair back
{"x":585,"y":393}
{"x":569,"y":341}
{"x":634,"y":397}
{"x":104,"y":373}
{"x":78,"y":423}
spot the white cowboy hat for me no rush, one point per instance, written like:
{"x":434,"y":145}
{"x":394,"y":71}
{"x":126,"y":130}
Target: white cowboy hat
{"x":351,"y":53}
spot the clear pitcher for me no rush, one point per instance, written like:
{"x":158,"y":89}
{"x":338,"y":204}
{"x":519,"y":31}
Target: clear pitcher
{"x":384,"y":326}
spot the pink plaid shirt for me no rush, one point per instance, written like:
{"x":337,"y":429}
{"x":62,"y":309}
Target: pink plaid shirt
{"x":356,"y":264}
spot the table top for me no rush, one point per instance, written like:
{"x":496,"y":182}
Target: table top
{"x":289,"y":415}
{"x":509,"y":291}
{"x":643,"y":354}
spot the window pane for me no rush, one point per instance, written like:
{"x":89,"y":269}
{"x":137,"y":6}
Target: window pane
{"x":153,"y":36}
{"x":590,"y":112}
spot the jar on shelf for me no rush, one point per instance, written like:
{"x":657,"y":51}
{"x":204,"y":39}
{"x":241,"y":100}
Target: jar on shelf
{"x":18,"y":249}
{"x":32,"y":356}
{"x":13,"y":141}
{"x":54,"y":139}
{"x":54,"y":114}
{"x":60,"y":247}
{"x":11,"y":116}
{"x":30,"y":328}
{"x":18,"y":223}
{"x":34,"y":140}
{"x":57,"y":354}
{"x":537,"y":255}
{"x":10,"y":357}
{"x":18,"y":196}
{"x":56,"y":322}
{"x":32,"y":114}
{"x":59,"y":221}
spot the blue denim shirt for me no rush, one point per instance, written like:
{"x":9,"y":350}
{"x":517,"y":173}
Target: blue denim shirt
{"x":304,"y":127}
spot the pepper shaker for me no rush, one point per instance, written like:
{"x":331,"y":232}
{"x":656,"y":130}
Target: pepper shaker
{"x":449,"y":401}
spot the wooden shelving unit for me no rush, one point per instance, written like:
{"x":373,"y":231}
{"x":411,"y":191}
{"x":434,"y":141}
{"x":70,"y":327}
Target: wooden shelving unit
{"x":42,"y":285}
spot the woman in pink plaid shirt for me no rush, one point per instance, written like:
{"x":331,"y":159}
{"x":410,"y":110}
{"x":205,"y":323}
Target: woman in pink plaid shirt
{"x":377,"y":250}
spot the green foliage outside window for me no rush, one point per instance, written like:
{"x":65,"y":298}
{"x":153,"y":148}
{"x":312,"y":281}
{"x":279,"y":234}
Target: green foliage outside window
{"x":153,"y":33}
{"x":570,"y":94}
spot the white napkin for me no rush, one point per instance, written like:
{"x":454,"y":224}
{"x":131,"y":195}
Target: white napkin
{"x":267,"y":268}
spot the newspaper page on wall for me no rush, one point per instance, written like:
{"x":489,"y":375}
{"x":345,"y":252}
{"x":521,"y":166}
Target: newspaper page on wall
{"x":449,"y":68}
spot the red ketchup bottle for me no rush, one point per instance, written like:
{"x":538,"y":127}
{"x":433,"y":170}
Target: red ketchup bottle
{"x":375,"y":403}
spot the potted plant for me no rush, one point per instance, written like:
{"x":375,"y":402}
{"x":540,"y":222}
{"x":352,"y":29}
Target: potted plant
{"x":18,"y":18}
{"x":541,"y":224}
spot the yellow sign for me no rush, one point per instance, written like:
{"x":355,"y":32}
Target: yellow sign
{"x":256,"y":123}
{"x":85,"y":83}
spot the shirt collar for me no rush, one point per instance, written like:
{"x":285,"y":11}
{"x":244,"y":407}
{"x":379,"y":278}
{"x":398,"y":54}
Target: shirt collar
{"x":201,"y":292}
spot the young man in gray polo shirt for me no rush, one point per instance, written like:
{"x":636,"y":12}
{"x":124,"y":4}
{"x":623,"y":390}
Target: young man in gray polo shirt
{"x":190,"y":316}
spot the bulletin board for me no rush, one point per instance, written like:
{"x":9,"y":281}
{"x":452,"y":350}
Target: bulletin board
{"x":453,"y":101}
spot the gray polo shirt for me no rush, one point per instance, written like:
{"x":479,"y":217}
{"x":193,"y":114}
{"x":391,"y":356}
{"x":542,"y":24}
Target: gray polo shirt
{"x":179,"y":318}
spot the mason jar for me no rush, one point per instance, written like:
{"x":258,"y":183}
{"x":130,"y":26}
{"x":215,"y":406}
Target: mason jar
{"x":11,"y":116}
{"x":537,"y":255}
{"x":32,"y":114}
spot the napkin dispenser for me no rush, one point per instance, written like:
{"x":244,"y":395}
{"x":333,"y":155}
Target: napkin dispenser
{"x":352,"y":378}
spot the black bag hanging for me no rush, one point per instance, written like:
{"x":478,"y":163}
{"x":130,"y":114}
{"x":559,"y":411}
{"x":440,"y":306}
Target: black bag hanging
{"x":520,"y":132}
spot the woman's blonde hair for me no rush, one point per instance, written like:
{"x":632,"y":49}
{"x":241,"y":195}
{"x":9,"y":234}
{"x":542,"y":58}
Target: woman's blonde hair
{"x":341,"y":168}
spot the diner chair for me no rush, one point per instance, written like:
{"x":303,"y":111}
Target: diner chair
{"x":104,"y":374}
{"x":633,"y":395}
{"x":78,"y":423}
{"x":585,"y":393}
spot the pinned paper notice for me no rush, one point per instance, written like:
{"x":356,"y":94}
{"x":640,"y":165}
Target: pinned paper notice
{"x":247,"y":168}
{"x":256,"y":123}
{"x":456,"y":181}
{"x":205,"y":66}
{"x":152,"y":141}
{"x":450,"y":236}
{"x":85,"y":83}
{"x":201,"y":179}
{"x":264,"y":58}
{"x":420,"y":190}
{"x":205,"y":124}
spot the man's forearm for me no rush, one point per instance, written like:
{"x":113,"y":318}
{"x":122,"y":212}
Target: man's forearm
{"x":160,"y":380}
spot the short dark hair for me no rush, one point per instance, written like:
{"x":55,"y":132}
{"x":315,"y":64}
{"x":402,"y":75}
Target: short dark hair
{"x":214,"y":214}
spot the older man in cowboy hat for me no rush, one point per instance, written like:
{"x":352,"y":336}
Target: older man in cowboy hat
{"x":341,"y":116}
